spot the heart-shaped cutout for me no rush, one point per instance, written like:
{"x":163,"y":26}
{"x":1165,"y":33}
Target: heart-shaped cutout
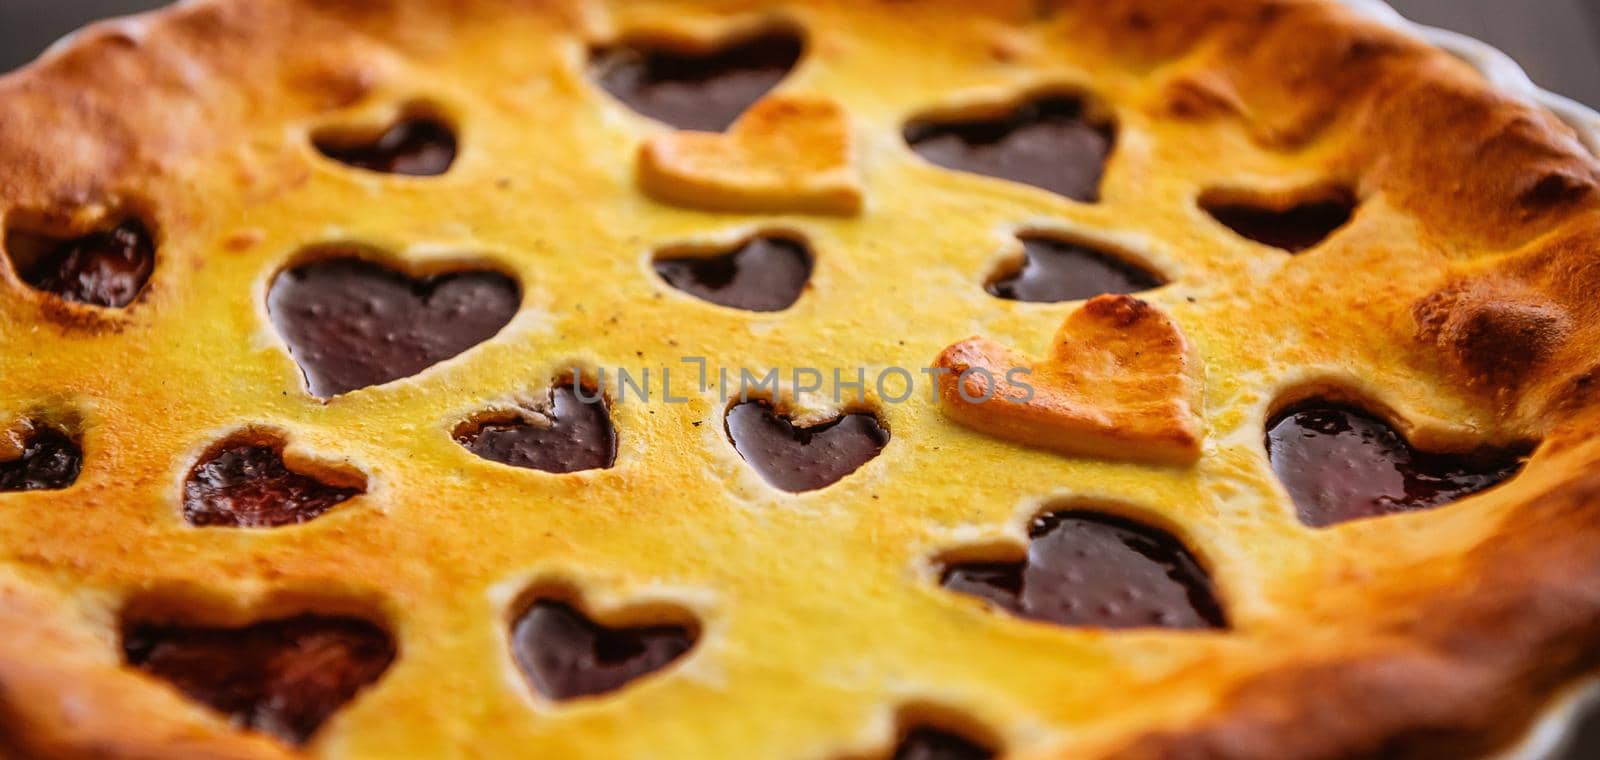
{"x":1049,"y":143}
{"x":785,"y":155}
{"x":1291,"y":224}
{"x":924,"y":743}
{"x":766,"y":273}
{"x":566,"y":655}
{"x":1056,"y":270}
{"x":568,"y":433}
{"x":245,"y":484}
{"x":351,"y":323}
{"x":1119,"y":384}
{"x":703,"y":89}
{"x":1340,"y":464}
{"x":1090,"y":569}
{"x":108,"y":268}
{"x":281,"y":677}
{"x":416,"y":147}
{"x":798,"y":459}
{"x":37,"y":457}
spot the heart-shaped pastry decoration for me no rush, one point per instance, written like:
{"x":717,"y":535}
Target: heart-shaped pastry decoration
{"x":1118,"y":384}
{"x":785,"y":155}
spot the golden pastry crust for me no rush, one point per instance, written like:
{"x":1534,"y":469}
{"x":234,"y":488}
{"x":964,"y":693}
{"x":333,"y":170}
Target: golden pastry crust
{"x":1438,"y":632}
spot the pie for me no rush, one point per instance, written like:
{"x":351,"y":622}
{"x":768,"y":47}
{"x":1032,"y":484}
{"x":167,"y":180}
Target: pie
{"x":1131,"y":379}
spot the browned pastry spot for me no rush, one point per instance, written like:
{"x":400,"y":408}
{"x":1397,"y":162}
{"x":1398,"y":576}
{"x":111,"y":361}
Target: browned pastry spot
{"x":1091,"y":569}
{"x":351,"y":323}
{"x":702,"y":90}
{"x":786,"y":154}
{"x":1055,"y":270}
{"x":798,"y":459}
{"x":417,"y":147}
{"x":1048,"y":143}
{"x":565,"y":655}
{"x":245,"y":483}
{"x":105,"y":268}
{"x":1118,"y":383}
{"x":1496,"y":331}
{"x":766,"y":273}
{"x":570,"y":433}
{"x":282,"y":677}
{"x":1339,"y":464}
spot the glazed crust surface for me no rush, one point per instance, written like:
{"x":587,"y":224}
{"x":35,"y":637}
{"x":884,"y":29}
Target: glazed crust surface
{"x":1459,"y":302}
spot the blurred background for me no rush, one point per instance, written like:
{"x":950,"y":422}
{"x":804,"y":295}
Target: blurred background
{"x":1558,"y":41}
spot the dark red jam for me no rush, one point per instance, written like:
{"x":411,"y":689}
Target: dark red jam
{"x":1341,"y":464}
{"x":352,"y":323}
{"x":575,"y":434}
{"x":800,"y":459}
{"x":246,"y":485}
{"x":566,"y":655}
{"x":762,"y":274}
{"x":108,"y":268}
{"x":1090,"y":569}
{"x":50,"y":461}
{"x":1295,"y":229}
{"x":282,"y":678}
{"x":415,"y":147}
{"x":1055,"y":271}
{"x":701,"y":91}
{"x":1048,"y":143}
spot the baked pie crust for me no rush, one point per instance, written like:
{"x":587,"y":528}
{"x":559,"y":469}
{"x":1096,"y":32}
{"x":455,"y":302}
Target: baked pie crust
{"x":1456,"y":303}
